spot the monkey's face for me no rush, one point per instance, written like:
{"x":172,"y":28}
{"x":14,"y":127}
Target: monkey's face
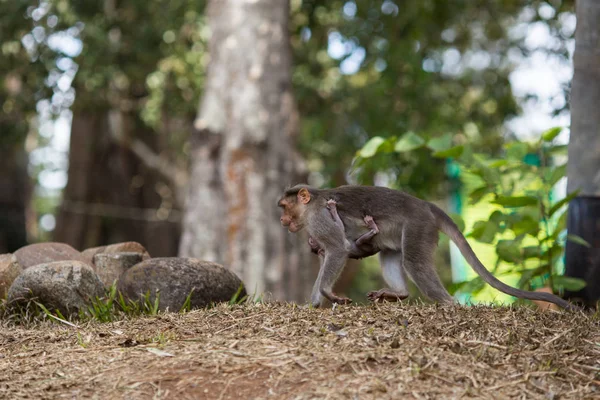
{"x":292,"y":213}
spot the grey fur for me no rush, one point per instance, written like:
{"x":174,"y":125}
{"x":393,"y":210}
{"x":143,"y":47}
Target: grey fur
{"x":407,"y":238}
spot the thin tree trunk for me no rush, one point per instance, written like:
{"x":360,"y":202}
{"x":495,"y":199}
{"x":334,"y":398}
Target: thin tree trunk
{"x":243,"y":152}
{"x":110,"y":196}
{"x":584,"y":152}
{"x":14,"y":197}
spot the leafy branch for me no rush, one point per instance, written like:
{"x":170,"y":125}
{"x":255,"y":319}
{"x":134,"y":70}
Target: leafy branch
{"x":526,"y":224}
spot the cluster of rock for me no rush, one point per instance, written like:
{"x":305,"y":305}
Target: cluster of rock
{"x":62,"y":278}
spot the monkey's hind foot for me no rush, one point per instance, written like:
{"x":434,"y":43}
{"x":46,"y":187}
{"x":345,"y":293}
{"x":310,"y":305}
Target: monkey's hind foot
{"x":315,"y":248}
{"x":339,"y":300}
{"x":371,"y":224}
{"x":386,"y":294}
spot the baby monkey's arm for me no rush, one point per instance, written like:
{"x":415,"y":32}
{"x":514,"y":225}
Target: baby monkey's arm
{"x":361,"y":247}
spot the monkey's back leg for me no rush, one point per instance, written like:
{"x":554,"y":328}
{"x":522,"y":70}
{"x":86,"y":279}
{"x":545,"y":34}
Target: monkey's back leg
{"x":393,"y":275}
{"x":418,"y":248}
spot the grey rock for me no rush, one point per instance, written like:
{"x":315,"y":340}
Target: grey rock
{"x":64,"y":285}
{"x":125,"y":247}
{"x":89,"y":254}
{"x":43,"y":253}
{"x":110,"y":266}
{"x":175,"y":278}
{"x":9,"y":270}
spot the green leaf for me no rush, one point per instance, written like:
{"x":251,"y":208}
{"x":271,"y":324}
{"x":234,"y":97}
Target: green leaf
{"x":516,"y":150}
{"x":357,"y":162}
{"x":488,"y":175}
{"x":440,"y":143}
{"x":568,"y":283}
{"x":529,"y":274}
{"x":476,"y":195}
{"x":578,"y":239}
{"x":484,"y":231}
{"x":509,"y":251}
{"x":551,"y":133}
{"x":556,"y":174}
{"x":455,"y":287}
{"x":562,"y":202}
{"x":531,"y":252}
{"x":458,"y":221}
{"x":558,"y":149}
{"x":453,"y":152}
{"x":370,"y":148}
{"x":553,"y":253}
{"x":388,"y":145}
{"x":497,"y":216}
{"x":561,"y":225}
{"x":473,"y":286}
{"x":466,"y":157}
{"x":526,"y":225}
{"x":409,"y":141}
{"x":498,"y":163}
{"x":515,"y":201}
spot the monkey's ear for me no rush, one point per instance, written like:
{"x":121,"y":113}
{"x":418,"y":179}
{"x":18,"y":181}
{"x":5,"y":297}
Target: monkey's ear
{"x":304,"y":196}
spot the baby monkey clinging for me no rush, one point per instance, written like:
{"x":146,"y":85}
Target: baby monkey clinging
{"x":359,"y":221}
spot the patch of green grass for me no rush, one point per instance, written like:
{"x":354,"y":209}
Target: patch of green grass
{"x":187,"y":304}
{"x":235,"y":298}
{"x":29,"y":313}
{"x":114,"y":306}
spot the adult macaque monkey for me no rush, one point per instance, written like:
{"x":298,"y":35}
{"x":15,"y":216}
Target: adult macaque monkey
{"x":405,"y":237}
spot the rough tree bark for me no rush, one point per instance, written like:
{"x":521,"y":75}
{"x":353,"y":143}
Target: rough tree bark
{"x":243,"y":152}
{"x":584,"y":153}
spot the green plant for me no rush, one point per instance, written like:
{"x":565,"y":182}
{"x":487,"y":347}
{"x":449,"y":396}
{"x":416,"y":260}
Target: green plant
{"x":103,"y":309}
{"x":187,"y":304}
{"x":111,"y":307}
{"x":151,"y":306}
{"x":81,"y":341}
{"x":526,"y":224}
{"x":235,"y":299}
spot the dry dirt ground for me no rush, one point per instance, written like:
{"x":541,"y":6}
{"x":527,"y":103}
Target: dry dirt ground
{"x":281,"y":351}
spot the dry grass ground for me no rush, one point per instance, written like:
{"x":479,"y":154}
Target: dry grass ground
{"x":278,"y":351}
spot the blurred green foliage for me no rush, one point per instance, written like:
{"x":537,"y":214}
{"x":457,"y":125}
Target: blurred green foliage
{"x":431,"y":67}
{"x":362,"y":69}
{"x":139,"y":49}
{"x":23,"y":71}
{"x":144,"y":59}
{"x":526,"y":225}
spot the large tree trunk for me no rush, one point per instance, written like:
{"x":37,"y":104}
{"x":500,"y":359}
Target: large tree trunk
{"x":584,"y":152}
{"x":243,"y":152}
{"x":14,"y":198}
{"x":110,"y":196}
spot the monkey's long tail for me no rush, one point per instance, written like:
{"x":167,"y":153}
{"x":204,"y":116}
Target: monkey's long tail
{"x":446,"y":225}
